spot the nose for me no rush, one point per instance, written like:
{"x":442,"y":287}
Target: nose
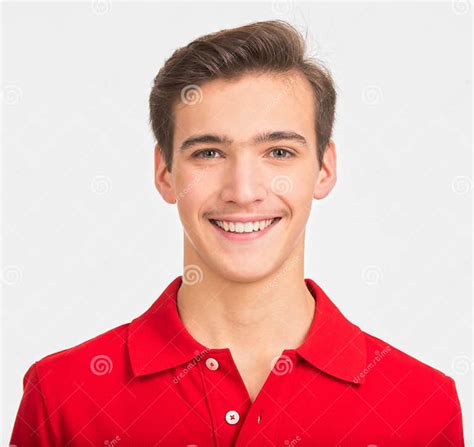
{"x":244,"y":182}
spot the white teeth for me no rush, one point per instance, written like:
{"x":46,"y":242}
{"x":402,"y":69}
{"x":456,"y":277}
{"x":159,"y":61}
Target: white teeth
{"x":241,"y":227}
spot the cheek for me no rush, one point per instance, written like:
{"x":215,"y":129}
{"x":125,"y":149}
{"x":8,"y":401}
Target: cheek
{"x":193,"y":197}
{"x":196,"y":186}
{"x":299,"y":199}
{"x":299,"y":188}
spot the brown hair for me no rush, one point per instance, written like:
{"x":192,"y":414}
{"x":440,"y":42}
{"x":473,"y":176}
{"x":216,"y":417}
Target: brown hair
{"x":272,"y":46}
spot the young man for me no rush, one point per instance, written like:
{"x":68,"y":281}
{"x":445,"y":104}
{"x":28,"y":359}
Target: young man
{"x":240,"y":350}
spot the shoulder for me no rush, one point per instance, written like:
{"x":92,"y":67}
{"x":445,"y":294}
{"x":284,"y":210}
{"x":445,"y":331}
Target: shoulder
{"x":416,"y":393}
{"x":397,"y":363}
{"x":62,"y":384}
{"x":97,"y":355}
{"x":409,"y":381}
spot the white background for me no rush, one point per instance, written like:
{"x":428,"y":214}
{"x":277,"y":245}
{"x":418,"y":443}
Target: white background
{"x":88,"y":243}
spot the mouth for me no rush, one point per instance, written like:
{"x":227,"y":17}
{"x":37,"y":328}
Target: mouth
{"x":235,"y":233}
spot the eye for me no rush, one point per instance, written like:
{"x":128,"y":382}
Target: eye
{"x":197,"y":154}
{"x":281,"y":149}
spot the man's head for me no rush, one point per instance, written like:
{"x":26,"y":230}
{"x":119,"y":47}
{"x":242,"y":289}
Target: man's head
{"x":243,"y":124}
{"x":266,"y":47}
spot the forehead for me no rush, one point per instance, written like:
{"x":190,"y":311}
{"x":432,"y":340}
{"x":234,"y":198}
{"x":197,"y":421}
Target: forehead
{"x":247,"y":105}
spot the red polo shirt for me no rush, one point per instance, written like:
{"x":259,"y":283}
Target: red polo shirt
{"x":150,"y":383}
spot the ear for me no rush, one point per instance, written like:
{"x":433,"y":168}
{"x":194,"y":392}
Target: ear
{"x":163,"y":179}
{"x":327,"y":173}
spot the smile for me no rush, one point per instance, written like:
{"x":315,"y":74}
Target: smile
{"x":239,"y":231}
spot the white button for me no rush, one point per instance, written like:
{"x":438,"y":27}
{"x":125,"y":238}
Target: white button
{"x":212,"y":364}
{"x":232,"y":417}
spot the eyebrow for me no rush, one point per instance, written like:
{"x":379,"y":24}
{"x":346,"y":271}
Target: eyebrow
{"x":264,"y":137}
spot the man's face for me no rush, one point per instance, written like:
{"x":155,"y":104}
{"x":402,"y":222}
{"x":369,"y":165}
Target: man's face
{"x":240,"y":178}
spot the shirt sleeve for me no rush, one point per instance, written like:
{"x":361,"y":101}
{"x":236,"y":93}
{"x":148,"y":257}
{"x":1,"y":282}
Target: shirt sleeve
{"x":453,"y":430}
{"x":32,"y":425}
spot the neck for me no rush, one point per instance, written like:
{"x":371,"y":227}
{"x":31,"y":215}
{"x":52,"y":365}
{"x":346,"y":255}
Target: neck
{"x":264,"y":317}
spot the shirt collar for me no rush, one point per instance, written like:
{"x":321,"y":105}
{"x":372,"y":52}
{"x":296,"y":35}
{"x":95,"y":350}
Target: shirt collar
{"x":158,"y":340}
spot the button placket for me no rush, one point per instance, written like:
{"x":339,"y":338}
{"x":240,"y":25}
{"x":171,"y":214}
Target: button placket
{"x":287,"y":391}
{"x":278,"y":387}
{"x":225,"y":397}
